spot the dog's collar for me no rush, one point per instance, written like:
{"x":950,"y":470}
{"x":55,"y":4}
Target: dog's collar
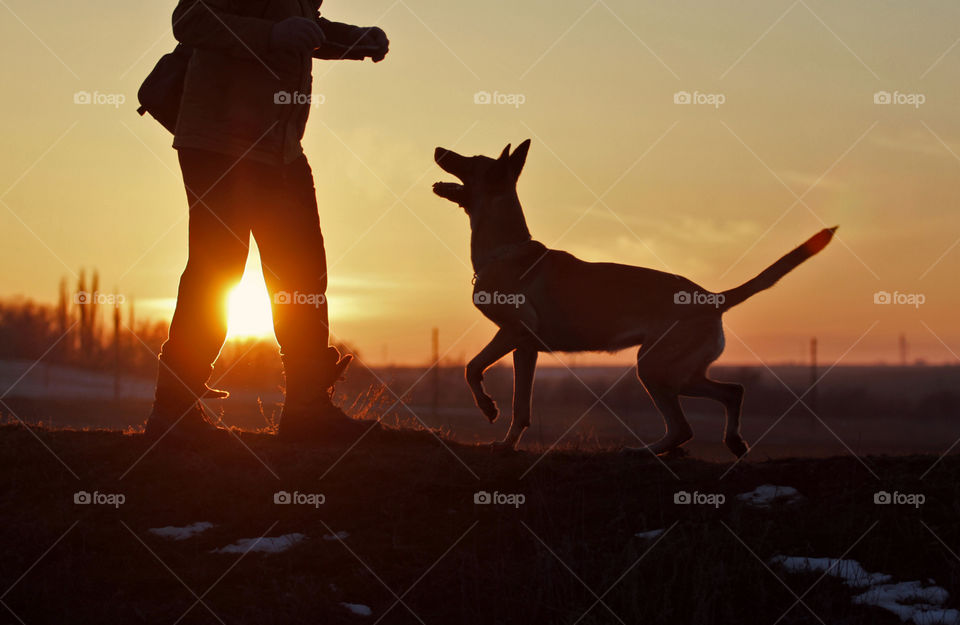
{"x":497,"y":253}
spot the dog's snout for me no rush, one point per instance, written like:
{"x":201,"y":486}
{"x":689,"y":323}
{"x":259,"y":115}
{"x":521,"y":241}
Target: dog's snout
{"x":439,"y":153}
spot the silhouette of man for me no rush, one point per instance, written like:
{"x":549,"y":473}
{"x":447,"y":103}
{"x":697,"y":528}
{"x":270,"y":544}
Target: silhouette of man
{"x":246,"y":99}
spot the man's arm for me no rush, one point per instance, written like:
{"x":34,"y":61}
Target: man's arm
{"x":207,"y":24}
{"x":344,"y":41}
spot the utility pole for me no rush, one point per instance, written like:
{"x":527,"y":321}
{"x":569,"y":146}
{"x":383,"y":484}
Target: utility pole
{"x":117,"y":338}
{"x":812,"y":389}
{"x":435,"y":403}
{"x":903,"y":350}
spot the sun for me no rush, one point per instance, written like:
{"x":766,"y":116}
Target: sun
{"x":248,"y":306}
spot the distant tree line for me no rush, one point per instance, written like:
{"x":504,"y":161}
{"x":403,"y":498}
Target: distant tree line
{"x":86,"y":328}
{"x":94,"y":330}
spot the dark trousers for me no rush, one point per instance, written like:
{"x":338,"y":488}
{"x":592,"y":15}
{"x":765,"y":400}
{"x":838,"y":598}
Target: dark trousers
{"x":229,"y":200}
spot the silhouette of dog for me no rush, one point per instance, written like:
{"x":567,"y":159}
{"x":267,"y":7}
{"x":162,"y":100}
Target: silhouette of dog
{"x":548,"y":300}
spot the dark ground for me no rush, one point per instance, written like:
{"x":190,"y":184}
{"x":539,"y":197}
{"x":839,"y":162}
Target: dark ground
{"x":416,"y":534}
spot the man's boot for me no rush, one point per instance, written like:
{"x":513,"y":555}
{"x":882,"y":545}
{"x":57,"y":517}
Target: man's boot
{"x":309,"y":414}
{"x":178,"y":418}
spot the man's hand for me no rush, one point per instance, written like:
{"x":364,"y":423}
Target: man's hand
{"x":297,"y":34}
{"x":376,"y":41}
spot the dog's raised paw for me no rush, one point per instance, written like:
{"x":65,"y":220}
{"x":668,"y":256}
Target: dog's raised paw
{"x":489,"y":409}
{"x":738,"y":447}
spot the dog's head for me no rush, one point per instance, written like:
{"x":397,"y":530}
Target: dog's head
{"x":482,"y":179}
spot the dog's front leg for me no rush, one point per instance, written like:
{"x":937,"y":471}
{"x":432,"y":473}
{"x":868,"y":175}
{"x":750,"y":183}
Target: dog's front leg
{"x":524,"y":366}
{"x":500,"y":346}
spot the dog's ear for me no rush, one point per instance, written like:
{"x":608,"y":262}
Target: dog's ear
{"x":505,"y":154}
{"x":518,"y":158}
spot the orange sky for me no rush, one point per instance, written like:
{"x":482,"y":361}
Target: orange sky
{"x":618,"y":171}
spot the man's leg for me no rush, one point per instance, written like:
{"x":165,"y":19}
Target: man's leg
{"x":218,"y":243}
{"x":287,"y":230}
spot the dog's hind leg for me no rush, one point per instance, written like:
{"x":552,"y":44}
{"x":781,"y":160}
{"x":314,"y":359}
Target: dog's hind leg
{"x":731,"y":396}
{"x":667,"y":401}
{"x":501,"y":345}
{"x":524,"y":366}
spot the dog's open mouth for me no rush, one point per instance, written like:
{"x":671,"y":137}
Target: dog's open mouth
{"x":452,"y":191}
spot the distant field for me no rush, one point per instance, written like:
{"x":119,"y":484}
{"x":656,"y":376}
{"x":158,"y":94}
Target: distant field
{"x":861,"y":410}
{"x":409,"y":529}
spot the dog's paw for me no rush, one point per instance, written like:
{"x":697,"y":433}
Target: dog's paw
{"x":503,"y":447}
{"x":664,"y":448}
{"x":737,"y":446}
{"x":489,"y":408}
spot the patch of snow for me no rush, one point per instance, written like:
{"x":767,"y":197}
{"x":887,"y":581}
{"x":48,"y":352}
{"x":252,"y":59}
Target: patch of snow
{"x":910,"y":601}
{"x":338,"y":536}
{"x":649,"y":535}
{"x":768,"y":494}
{"x":850,"y":571}
{"x":357,"y":608}
{"x":180,"y":533}
{"x":271,"y":544}
{"x":934,"y":616}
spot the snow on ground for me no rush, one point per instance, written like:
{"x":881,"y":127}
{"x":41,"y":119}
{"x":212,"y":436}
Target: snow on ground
{"x":272,"y":544}
{"x":357,"y":608}
{"x":649,"y":535}
{"x":768,"y":494}
{"x":911,"y":600}
{"x":908,"y":600}
{"x":338,"y":536}
{"x":181,"y":533}
{"x":850,"y":571}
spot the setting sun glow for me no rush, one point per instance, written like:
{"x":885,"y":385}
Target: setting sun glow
{"x":248,"y":312}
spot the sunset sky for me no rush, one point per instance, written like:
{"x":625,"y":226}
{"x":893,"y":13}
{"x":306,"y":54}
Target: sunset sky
{"x":617,"y":171}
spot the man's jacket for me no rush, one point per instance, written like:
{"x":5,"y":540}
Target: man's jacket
{"x":242,"y":97}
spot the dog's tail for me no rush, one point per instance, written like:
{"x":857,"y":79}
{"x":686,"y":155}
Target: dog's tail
{"x":769,"y":276}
